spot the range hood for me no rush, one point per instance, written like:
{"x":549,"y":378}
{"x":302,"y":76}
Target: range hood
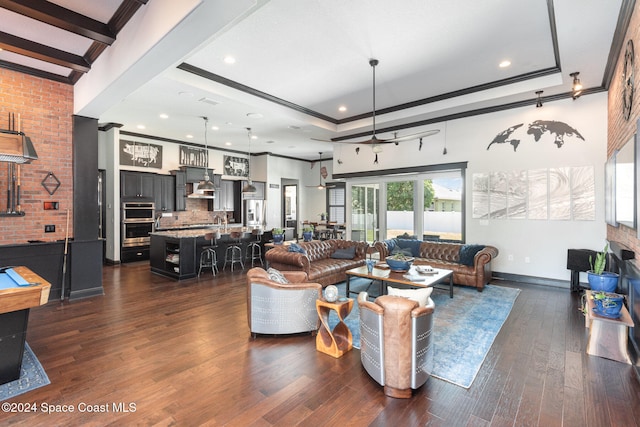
{"x":16,"y":147}
{"x":201,"y":194}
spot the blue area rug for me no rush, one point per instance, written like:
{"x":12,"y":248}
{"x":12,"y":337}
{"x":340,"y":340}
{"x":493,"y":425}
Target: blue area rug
{"x":32,"y":376}
{"x":464,"y":327}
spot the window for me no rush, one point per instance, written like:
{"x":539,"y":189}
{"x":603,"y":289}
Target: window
{"x":400,"y":209}
{"x":336,"y":203}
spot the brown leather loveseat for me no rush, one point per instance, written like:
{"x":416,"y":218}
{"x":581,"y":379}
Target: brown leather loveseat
{"x":471,"y":264}
{"x":325,"y":262}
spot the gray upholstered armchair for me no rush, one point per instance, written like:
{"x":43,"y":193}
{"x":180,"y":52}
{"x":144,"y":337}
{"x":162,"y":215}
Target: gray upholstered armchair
{"x":281,"y":308}
{"x":396,"y":342}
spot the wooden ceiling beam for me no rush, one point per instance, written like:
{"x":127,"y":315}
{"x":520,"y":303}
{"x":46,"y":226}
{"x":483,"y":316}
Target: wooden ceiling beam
{"x":44,"y":53}
{"x":52,"y":14}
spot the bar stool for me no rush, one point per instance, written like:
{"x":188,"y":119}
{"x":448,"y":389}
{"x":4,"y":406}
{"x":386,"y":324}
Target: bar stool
{"x":233,"y":254}
{"x":208,"y":257}
{"x":254,"y":251}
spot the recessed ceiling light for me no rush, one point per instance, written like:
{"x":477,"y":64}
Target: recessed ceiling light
{"x":227,"y":143}
{"x":140,"y":127}
{"x":270,"y":142}
{"x":505,"y":63}
{"x":215,"y":128}
{"x":164,"y":116}
{"x":186,"y":94}
{"x":190,"y":136}
{"x":342,"y":108}
{"x":254,"y":136}
{"x":229,"y":59}
{"x":254,"y":115}
{"x":294,"y":127}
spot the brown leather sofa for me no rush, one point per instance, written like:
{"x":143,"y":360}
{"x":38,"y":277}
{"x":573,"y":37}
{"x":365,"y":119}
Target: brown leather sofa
{"x":396,"y":342}
{"x":476,"y":273}
{"x":281,"y":308}
{"x":317,"y":261}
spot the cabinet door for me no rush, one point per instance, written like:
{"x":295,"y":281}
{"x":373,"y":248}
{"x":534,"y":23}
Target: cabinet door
{"x":168,"y":193}
{"x":181,"y":191}
{"x":228,"y":196}
{"x":146,"y":184}
{"x":129,"y":184}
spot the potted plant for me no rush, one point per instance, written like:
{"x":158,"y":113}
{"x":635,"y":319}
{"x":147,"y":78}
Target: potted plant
{"x":307,"y":232}
{"x":278,"y":235}
{"x":608,"y":304}
{"x":323,"y":216}
{"x":600,"y":280}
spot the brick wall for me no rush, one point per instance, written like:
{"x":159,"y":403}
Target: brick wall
{"x":45,"y":108}
{"x":621,"y":130}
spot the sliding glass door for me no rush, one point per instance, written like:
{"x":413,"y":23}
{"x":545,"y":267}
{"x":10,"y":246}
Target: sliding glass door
{"x":364,"y":212}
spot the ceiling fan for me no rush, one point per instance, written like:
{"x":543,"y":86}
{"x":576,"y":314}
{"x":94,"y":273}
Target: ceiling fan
{"x":374,"y":140}
{"x":320,"y":186}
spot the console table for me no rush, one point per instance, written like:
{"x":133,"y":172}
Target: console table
{"x":338,"y":341}
{"x":607,"y":337}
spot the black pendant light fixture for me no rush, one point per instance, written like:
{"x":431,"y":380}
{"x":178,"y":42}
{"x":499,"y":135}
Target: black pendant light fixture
{"x":206,"y":184}
{"x":249,"y":188}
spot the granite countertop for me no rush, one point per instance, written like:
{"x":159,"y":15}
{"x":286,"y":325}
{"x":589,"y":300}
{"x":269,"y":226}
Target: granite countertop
{"x":196,"y":232}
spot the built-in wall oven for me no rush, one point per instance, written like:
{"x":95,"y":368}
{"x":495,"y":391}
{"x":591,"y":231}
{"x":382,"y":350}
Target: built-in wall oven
{"x":137,"y":223}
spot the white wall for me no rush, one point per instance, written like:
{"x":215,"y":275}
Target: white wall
{"x":543,"y":242}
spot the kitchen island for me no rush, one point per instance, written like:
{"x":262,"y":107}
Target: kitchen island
{"x":176,"y":253}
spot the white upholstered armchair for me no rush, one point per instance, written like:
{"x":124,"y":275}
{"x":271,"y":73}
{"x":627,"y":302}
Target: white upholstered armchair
{"x":396,"y":342}
{"x":281,"y":308}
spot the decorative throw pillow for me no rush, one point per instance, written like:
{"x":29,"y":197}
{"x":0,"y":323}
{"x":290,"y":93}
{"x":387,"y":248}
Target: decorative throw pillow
{"x":403,"y":251}
{"x":277,"y":276}
{"x":346,"y":253}
{"x":421,"y":295}
{"x":468,"y":252}
{"x":294,"y":247}
{"x":412,"y":244}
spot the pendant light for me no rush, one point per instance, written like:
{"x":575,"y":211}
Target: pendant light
{"x":206,"y":184}
{"x":249,"y":188}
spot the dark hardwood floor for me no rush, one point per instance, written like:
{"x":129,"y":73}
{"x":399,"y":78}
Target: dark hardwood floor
{"x":181,"y":354}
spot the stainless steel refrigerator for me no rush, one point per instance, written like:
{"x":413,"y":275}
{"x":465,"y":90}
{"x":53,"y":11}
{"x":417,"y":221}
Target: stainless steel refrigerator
{"x":252,"y":212}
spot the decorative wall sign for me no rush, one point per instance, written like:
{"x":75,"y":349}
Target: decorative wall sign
{"x":236,"y":166}
{"x":191,"y":156}
{"x":140,"y":154}
{"x":50,"y":183}
{"x":566,"y":193}
{"x":538,"y":129}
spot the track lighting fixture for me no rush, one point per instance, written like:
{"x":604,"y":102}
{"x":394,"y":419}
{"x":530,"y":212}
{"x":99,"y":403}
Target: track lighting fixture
{"x":539,"y":100}
{"x":576,"y":85}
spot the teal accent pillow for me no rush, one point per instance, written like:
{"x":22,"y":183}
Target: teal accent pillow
{"x":294,"y":247}
{"x":468,"y":252}
{"x":412,"y":244}
{"x":346,"y":253}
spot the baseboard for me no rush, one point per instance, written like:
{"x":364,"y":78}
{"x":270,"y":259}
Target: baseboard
{"x":564,"y":284}
{"x":86,"y":293}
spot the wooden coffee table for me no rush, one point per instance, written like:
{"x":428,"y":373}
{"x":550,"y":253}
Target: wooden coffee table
{"x":388,"y":276}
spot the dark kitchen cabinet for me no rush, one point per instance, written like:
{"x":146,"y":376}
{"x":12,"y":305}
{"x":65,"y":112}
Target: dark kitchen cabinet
{"x":164,"y":189}
{"x":181,"y":190}
{"x":195,"y":174}
{"x":136,"y":184}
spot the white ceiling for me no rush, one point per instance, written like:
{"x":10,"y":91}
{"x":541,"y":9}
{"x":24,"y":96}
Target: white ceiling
{"x":297,"y":61}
